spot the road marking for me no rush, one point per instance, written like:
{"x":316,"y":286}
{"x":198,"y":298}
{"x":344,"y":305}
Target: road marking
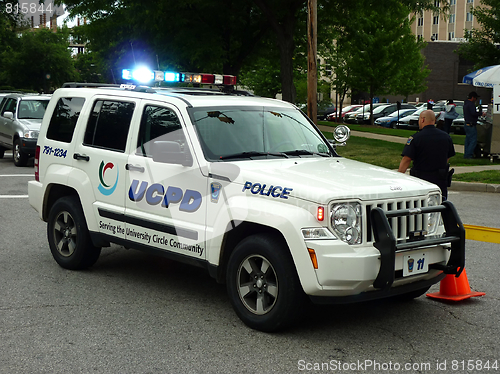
{"x":14,"y":196}
{"x":17,"y":175}
{"x":482,"y":234}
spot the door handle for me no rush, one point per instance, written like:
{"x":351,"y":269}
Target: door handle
{"x":78,"y":156}
{"x":131,"y":167}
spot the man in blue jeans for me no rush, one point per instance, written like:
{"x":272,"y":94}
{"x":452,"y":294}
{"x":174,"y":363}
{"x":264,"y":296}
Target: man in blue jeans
{"x":470,"y":115}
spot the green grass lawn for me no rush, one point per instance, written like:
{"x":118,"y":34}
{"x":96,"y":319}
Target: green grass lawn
{"x":457,"y":139}
{"x":388,"y":155}
{"x":489,"y":176}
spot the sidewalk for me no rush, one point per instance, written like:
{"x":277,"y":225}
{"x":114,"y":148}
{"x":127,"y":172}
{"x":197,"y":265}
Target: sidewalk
{"x":455,"y":186}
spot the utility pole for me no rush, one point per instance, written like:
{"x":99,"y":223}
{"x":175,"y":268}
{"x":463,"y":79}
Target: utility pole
{"x":312,"y":70}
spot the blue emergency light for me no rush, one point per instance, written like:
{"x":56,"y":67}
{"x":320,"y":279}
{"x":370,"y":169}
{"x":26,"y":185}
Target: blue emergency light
{"x":144,"y":75}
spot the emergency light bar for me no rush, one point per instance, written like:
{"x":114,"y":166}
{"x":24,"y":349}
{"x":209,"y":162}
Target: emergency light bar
{"x":145,"y":75}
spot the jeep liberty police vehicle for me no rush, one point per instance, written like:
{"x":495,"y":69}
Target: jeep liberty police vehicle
{"x":247,"y":188}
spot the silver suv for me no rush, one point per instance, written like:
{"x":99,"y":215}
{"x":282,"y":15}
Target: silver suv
{"x":20,"y":120}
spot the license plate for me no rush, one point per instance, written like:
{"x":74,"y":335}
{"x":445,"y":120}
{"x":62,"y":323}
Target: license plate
{"x":415,"y":264}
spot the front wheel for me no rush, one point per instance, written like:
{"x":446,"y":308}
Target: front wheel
{"x":263,"y":285}
{"x":20,"y":158}
{"x":69,"y":237}
{"x":2,"y":151}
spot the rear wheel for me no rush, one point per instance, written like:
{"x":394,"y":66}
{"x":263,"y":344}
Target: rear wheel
{"x":2,"y":151}
{"x":263,"y":285}
{"x":20,"y":158}
{"x":68,"y":235}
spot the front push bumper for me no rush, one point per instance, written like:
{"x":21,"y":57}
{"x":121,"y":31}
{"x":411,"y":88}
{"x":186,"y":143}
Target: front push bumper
{"x":387,"y":244}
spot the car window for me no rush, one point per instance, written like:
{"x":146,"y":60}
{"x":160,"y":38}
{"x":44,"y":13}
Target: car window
{"x":108,"y":125}
{"x":158,"y":123}
{"x":10,"y":106}
{"x":63,"y":121}
{"x":32,"y":109}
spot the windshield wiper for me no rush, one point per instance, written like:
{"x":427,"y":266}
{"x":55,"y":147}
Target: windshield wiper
{"x":250,"y":154}
{"x":300,"y":152}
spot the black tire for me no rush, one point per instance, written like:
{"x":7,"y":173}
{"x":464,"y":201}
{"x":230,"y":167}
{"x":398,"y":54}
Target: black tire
{"x":20,"y":158}
{"x":68,"y":235}
{"x":411,"y":295}
{"x":2,"y":151}
{"x":263,"y":285}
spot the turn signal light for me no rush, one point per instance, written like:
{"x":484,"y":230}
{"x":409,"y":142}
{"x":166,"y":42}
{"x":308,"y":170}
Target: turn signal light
{"x":314,"y":259}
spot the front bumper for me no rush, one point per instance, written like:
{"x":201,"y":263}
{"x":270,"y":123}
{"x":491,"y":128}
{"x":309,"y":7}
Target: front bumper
{"x":28,"y":146}
{"x":357,"y":273}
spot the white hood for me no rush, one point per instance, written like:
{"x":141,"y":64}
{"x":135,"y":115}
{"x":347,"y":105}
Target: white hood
{"x":322,"y":179}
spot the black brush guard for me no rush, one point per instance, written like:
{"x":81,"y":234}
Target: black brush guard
{"x":387,"y":244}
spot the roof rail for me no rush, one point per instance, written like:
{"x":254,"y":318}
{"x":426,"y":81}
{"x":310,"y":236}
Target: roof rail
{"x":107,"y":85}
{"x":85,"y":84}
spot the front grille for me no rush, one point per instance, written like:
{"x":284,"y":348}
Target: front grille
{"x":401,"y":226}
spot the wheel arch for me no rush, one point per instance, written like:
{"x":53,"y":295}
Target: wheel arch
{"x":55,"y":192}
{"x":237,"y":231}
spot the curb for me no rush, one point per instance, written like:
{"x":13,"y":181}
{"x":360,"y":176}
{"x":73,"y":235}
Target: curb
{"x":474,"y":187}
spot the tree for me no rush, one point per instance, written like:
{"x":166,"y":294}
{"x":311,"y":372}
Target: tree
{"x":41,"y":60}
{"x":375,"y":50}
{"x":194,"y":35}
{"x":10,"y":24}
{"x":482,"y":43}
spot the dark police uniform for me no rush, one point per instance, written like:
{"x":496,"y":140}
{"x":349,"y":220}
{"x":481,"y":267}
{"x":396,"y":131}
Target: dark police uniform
{"x":430,"y":149}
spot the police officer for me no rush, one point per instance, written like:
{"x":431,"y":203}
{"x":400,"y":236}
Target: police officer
{"x":430,"y":149}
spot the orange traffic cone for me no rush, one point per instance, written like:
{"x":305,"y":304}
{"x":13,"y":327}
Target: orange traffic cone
{"x":455,"y":289}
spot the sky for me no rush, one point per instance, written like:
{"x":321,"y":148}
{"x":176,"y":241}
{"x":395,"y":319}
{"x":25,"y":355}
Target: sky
{"x":32,"y":8}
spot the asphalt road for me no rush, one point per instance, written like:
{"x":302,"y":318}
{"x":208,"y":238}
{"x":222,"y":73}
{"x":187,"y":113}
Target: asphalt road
{"x":134,"y":313}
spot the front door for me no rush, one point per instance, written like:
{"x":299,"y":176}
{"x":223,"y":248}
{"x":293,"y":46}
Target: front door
{"x":166,"y":199}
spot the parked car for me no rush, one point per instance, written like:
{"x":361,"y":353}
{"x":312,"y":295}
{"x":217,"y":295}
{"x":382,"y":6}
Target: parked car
{"x":351,"y":117}
{"x":335,"y":117}
{"x":411,"y":122}
{"x":392,"y":119}
{"x":381,"y":111}
{"x":20,"y":119}
{"x":325,"y":109}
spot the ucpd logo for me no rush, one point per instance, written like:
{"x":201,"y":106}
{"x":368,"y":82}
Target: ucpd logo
{"x":215,"y":189}
{"x":104,"y":188}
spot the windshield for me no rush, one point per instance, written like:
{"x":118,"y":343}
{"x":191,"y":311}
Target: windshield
{"x":32,"y":109}
{"x":256,"y":132}
{"x":378,"y":109}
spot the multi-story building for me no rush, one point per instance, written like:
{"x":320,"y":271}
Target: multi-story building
{"x":431,"y":26}
{"x":444,"y":34}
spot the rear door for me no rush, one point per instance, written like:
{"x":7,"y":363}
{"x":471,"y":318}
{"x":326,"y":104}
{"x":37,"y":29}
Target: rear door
{"x":101,"y":156}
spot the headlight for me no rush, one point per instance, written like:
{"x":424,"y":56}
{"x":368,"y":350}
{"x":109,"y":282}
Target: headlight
{"x":317,"y":233}
{"x":346,"y":222}
{"x":433,"y":218}
{"x":31,"y":134}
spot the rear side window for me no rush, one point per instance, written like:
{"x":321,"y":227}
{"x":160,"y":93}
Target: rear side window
{"x":108,"y":125}
{"x":64,"y":118}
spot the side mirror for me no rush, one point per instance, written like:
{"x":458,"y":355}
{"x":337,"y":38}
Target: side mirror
{"x":169,"y":152}
{"x":8,"y":115}
{"x":341,"y":134}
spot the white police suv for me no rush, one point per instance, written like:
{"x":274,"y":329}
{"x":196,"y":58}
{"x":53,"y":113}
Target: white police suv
{"x":245,"y":187}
